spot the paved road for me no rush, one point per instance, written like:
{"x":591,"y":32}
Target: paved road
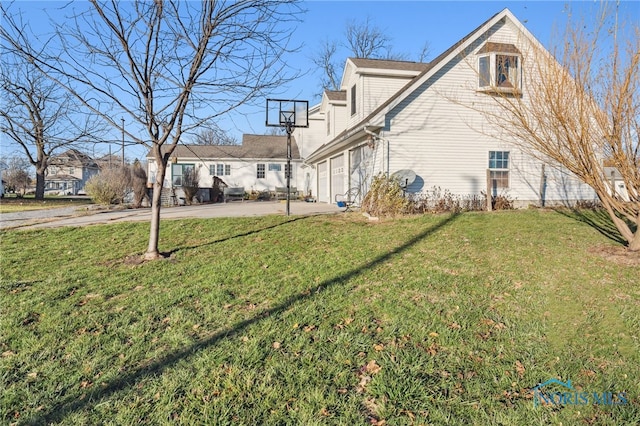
{"x":81,"y":216}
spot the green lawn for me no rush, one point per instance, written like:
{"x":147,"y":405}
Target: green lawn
{"x":446,"y":319}
{"x":10,"y":203}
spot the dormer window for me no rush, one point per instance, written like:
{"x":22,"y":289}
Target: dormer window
{"x":499,"y":68}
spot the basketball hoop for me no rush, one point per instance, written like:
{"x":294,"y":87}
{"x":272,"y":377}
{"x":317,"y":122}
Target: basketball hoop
{"x":287,"y":114}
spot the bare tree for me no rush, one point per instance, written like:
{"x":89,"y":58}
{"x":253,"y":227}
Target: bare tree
{"x":171,"y":67}
{"x":326,"y":62}
{"x":366,"y":40}
{"x":38,"y":116}
{"x":276,"y":131}
{"x":214,"y":135}
{"x":583,"y":113}
{"x":363,"y":40}
{"x":16,"y":175}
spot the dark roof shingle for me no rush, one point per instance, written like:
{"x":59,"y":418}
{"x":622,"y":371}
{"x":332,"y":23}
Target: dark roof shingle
{"x":389,"y":64}
{"x":253,"y":146}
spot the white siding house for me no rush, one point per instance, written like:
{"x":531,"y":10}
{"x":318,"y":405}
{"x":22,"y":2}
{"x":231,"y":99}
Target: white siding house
{"x":425,"y":117}
{"x":68,"y":173}
{"x":258,"y":164}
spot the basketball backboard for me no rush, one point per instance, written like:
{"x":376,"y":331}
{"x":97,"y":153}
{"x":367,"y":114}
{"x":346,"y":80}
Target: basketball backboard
{"x":285,"y":112}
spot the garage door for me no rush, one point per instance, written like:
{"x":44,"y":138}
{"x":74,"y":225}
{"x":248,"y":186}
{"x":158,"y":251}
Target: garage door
{"x":323,"y":196}
{"x":337,"y":176}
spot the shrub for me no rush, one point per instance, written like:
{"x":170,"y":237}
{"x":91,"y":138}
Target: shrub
{"x":385,"y":198}
{"x":501,"y":201}
{"x":190,"y":184}
{"x":110,"y":186}
{"x":588,"y":205}
{"x":139,"y":184}
{"x":437,"y":200}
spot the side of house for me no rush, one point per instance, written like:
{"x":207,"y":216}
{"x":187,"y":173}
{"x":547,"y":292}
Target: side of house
{"x":68,"y":172}
{"x":259,"y":164}
{"x":427,"y":118}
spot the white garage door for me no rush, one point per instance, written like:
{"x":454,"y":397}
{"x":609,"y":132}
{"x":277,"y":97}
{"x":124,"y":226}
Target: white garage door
{"x":337,"y":176}
{"x":323,"y":180}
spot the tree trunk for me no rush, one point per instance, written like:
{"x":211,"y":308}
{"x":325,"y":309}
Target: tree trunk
{"x":156,"y":204}
{"x":634,"y":242}
{"x":40,"y":184}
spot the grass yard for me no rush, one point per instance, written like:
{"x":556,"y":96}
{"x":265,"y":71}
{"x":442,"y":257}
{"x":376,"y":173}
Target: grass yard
{"x":11,"y":204}
{"x":446,"y":319}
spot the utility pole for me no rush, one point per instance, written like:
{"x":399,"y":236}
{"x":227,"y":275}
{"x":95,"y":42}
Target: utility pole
{"x":122,"y":142}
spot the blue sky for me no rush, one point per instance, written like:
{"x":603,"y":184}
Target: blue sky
{"x":409,"y":24}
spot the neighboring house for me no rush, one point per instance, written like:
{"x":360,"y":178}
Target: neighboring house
{"x":109,"y":161}
{"x":616,"y":181}
{"x":258,"y":164}
{"x":392,"y":115}
{"x":68,"y":172}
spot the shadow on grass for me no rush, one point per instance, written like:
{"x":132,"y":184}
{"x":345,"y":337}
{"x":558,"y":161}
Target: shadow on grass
{"x":244,"y":234}
{"x":73,"y":402}
{"x":598,"y":219}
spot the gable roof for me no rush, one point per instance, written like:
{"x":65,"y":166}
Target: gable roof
{"x":252,"y":147}
{"x":388,"y":64}
{"x":441,"y":60}
{"x":336,"y":95}
{"x":74,"y":158}
{"x":498,"y":47}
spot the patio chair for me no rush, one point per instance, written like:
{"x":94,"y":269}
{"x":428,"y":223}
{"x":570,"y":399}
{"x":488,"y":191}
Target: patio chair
{"x":348,"y":199}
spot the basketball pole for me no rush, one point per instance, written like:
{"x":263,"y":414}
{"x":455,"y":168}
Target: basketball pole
{"x":289,"y":129}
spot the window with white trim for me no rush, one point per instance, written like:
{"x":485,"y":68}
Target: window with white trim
{"x":499,"y":68}
{"x":499,"y":169}
{"x":275,"y":167}
{"x":219,"y":169}
{"x":260,"y":171}
{"x":501,"y":72}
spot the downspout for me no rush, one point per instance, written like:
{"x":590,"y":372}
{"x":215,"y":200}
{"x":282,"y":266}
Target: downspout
{"x":375,"y":136}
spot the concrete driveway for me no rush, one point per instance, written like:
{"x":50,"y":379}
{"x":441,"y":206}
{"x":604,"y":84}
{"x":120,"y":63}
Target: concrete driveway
{"x":74,"y":216}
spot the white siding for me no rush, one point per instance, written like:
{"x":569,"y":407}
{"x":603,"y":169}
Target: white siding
{"x":243,"y":173}
{"x":438,"y":132}
{"x":377,"y":90}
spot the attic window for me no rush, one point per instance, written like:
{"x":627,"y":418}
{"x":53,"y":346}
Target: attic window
{"x":499,"y":68}
{"x":353,"y":99}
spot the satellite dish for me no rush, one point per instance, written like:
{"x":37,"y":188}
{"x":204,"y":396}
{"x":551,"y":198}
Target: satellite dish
{"x":405,"y":176}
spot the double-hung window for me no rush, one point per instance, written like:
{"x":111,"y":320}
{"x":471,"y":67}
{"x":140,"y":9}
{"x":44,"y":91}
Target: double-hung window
{"x":178,"y":171}
{"x":499,"y":68}
{"x":499,"y":169}
{"x":220,"y":169}
{"x":260,"y":171}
